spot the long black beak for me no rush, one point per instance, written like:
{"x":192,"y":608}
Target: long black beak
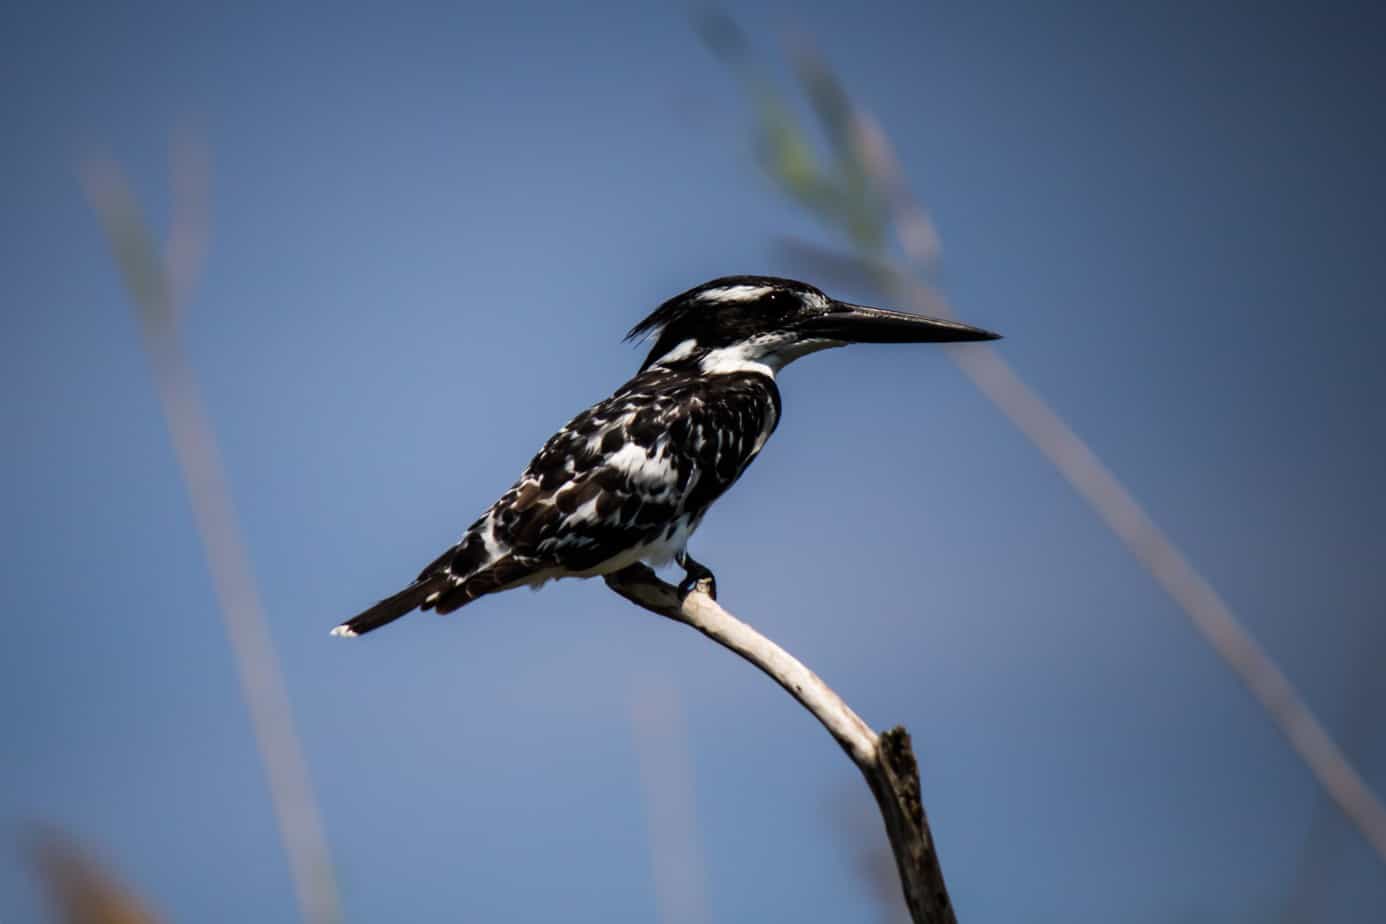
{"x":860,"y":324}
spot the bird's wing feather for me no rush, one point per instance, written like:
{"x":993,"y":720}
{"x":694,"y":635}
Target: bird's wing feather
{"x":622,"y":473}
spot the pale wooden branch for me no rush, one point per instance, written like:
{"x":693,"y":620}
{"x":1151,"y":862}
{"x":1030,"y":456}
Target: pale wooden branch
{"x":886,"y":759}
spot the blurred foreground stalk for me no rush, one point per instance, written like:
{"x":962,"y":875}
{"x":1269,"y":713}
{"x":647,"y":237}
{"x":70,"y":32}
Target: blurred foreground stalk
{"x":865,"y":197}
{"x":666,"y":776}
{"x":158,"y":285}
{"x":82,"y":891}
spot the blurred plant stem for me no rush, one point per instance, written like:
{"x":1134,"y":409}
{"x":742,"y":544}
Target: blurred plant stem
{"x":82,"y":891}
{"x":158,"y":286}
{"x":862,"y":149}
{"x":666,"y":777}
{"x":1365,"y":687}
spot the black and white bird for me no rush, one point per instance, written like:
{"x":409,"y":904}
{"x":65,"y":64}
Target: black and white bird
{"x":629,"y":479}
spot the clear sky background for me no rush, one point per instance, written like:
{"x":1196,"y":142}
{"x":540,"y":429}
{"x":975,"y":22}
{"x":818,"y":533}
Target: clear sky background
{"x":432,"y":225}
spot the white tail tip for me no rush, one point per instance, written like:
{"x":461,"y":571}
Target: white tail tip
{"x":344,"y":631}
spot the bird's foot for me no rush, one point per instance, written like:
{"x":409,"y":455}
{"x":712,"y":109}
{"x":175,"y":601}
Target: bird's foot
{"x":697,"y":577}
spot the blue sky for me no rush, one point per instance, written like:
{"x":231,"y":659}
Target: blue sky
{"x":432,"y":225}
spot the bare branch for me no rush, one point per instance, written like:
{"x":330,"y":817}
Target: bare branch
{"x":886,"y":760}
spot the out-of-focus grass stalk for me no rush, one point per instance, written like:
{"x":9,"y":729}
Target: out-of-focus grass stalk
{"x":1313,"y":878}
{"x":666,"y":777}
{"x":862,"y":148}
{"x":83,"y":892}
{"x":157,"y":286}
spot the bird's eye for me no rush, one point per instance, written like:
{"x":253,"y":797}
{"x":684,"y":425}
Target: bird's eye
{"x":780,"y":305}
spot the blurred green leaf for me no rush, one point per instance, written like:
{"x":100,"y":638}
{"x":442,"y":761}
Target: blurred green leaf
{"x":787,"y":154}
{"x":865,"y":215}
{"x":844,"y":197}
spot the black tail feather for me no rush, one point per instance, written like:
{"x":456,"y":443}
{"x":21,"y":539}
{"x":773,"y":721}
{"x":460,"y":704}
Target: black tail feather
{"x":390,"y":609}
{"x":498,"y":575}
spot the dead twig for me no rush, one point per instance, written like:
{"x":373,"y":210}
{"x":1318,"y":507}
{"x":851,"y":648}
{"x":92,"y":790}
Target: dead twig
{"x":886,"y":759}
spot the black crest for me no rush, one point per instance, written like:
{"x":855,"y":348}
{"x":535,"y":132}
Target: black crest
{"x":725,"y":310}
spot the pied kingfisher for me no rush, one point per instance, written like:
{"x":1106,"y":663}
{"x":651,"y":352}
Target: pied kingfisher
{"x":629,"y":479}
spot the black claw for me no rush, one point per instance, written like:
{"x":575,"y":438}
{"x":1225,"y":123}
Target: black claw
{"x":697,"y":576}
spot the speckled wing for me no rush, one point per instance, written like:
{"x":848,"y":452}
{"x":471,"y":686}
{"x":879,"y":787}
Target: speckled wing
{"x":626,"y":480}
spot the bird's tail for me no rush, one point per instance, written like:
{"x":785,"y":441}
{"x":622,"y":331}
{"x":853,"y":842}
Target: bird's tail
{"x":391,"y":608}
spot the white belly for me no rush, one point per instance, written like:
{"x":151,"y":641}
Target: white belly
{"x":661,"y":551}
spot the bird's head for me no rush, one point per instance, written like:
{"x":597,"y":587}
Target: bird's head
{"x":760,"y":323}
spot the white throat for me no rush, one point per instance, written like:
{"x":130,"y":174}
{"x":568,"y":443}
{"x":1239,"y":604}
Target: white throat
{"x":766,"y":354}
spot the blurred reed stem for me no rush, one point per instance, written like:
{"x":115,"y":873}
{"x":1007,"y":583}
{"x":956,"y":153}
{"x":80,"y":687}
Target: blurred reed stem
{"x":158,"y":286}
{"x":82,"y":891}
{"x":666,"y":779}
{"x":888,"y":209}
